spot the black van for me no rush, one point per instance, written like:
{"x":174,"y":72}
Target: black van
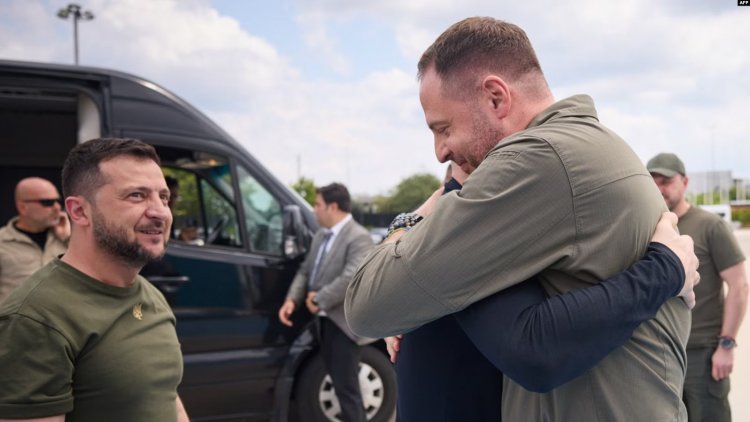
{"x":240,"y":236}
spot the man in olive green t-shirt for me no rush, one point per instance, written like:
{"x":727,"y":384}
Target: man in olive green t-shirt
{"x":716,"y":319}
{"x":86,"y":339}
{"x":552,"y":193}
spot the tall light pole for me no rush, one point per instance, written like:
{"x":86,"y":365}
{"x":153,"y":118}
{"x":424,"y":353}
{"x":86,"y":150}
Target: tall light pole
{"x":75,"y":11}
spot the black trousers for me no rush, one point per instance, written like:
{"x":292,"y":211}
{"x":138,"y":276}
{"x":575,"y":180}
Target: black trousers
{"x":705,"y":399}
{"x":341,"y":357}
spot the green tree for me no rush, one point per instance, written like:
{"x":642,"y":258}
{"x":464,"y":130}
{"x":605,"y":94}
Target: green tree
{"x":188,"y":205}
{"x":733,"y":194}
{"x":742,"y":215}
{"x":409,"y":193}
{"x":305,"y":188}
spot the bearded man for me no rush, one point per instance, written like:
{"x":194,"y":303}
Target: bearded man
{"x":86,"y":338}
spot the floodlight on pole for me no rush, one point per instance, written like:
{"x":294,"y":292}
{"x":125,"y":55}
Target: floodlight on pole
{"x":75,"y":11}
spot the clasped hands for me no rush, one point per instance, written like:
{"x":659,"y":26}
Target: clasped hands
{"x":286,"y":310}
{"x":311,"y":306}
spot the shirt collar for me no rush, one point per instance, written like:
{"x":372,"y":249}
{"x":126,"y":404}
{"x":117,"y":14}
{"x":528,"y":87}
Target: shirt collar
{"x":336,"y":229}
{"x":578,"y":105}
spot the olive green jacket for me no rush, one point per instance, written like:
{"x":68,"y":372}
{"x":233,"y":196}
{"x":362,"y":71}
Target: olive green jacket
{"x":567,"y":200}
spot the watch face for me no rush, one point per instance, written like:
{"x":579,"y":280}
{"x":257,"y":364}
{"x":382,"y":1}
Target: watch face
{"x":726,"y":343}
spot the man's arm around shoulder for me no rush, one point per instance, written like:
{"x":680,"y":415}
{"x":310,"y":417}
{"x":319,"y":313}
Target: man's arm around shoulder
{"x":474,"y":244}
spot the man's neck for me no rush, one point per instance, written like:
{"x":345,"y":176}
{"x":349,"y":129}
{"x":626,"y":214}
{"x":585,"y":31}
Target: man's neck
{"x":532,"y":104}
{"x":100,"y":266}
{"x":338,"y":218}
{"x":24,"y":225}
{"x":681,"y":208}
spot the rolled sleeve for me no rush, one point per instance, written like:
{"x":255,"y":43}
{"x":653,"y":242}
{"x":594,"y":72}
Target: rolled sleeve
{"x":373,"y":308}
{"x":37,"y":370}
{"x":725,"y":250}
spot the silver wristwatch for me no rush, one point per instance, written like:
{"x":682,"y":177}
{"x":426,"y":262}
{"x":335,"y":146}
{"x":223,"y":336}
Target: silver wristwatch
{"x":726,"y":342}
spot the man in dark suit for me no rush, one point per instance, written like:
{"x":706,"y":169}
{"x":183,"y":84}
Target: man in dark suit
{"x":321,"y":282}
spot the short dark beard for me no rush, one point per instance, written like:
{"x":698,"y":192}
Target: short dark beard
{"x":115,"y":242}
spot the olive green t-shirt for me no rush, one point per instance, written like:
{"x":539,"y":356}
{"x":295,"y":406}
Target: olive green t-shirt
{"x":717,"y":249}
{"x":72,"y":345}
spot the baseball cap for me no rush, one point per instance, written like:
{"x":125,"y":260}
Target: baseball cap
{"x":666,"y":164}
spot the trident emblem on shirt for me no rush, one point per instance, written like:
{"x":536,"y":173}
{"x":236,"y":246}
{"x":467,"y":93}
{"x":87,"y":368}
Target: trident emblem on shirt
{"x":137,"y":312}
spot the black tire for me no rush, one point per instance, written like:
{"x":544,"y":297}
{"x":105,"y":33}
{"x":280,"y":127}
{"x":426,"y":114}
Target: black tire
{"x":316,"y":401}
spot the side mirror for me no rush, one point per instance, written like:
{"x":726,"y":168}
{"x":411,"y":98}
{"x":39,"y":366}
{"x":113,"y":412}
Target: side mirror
{"x":297,"y":236}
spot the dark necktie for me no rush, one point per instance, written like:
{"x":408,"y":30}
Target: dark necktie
{"x":319,"y":259}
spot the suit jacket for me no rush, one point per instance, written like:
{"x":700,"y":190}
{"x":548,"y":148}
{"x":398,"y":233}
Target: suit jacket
{"x":348,"y":250}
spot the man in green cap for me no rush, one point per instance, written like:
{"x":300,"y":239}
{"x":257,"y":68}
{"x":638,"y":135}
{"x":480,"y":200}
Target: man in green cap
{"x":716,"y":320}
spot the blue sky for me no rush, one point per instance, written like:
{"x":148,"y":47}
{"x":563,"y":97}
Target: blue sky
{"x":332,"y":82}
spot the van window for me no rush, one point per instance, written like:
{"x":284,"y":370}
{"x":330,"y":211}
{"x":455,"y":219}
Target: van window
{"x":205,"y":209}
{"x":222,"y":227}
{"x":203,"y":203}
{"x":263,"y":217}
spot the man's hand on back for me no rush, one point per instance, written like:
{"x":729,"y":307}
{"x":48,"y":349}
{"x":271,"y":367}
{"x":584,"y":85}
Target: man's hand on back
{"x":682,"y":245}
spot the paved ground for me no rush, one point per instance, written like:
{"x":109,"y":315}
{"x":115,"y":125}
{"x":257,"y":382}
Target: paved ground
{"x":740,"y":392}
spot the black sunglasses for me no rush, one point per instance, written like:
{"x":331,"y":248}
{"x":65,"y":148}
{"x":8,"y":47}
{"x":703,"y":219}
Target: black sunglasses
{"x":45,"y":202}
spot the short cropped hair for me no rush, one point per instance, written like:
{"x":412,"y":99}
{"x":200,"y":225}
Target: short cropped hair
{"x":81,"y":174}
{"x":336,"y":193}
{"x":474,"y":45}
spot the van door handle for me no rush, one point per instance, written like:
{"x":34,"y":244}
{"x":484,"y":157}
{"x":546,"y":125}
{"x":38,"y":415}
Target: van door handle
{"x":169,"y":284}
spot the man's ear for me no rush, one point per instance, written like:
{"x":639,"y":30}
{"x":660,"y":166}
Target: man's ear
{"x":79,"y":210}
{"x":21,"y":207}
{"x":497,"y":93}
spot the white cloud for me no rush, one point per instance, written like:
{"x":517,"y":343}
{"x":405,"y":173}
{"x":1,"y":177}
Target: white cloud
{"x":352,"y":132}
{"x":31,"y":31}
{"x":664,"y":77}
{"x":188,"y":47}
{"x":316,"y":36}
{"x":368,"y":134}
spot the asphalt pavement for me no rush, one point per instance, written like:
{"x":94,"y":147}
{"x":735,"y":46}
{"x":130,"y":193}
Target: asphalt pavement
{"x":740,"y":378}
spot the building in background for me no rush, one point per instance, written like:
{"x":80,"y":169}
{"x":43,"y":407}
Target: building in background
{"x":721,"y":193}
{"x":716,"y":187}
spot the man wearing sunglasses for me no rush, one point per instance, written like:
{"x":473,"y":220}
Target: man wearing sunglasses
{"x":30,"y":240}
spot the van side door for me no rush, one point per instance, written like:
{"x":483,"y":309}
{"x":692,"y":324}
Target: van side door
{"x":225,"y":277}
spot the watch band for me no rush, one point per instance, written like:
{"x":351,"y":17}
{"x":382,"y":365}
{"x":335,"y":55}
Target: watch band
{"x":404,"y":220}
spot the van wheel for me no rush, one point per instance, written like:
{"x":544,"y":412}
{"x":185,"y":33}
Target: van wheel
{"x":317,"y":401}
